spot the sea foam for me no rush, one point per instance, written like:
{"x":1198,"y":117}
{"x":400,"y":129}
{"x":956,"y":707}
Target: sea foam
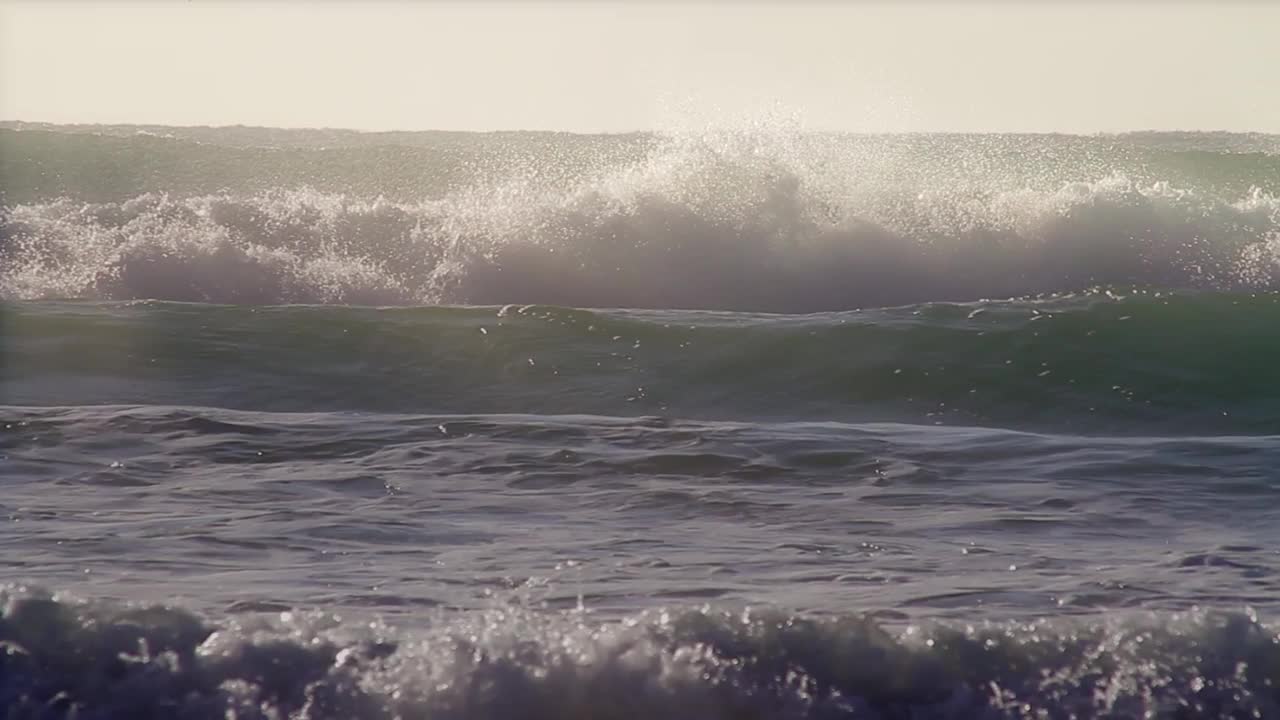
{"x":715,"y":221}
{"x":66,"y":658}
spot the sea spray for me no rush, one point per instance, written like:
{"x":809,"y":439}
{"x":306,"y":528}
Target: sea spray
{"x":756,"y":221}
{"x":66,"y":658}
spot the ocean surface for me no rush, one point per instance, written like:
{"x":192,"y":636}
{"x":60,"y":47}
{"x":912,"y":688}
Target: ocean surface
{"x":748,"y":423}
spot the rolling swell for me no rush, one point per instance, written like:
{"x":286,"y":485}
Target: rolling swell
{"x":1096,"y":362}
{"x":753,"y":222}
{"x":64,"y":658}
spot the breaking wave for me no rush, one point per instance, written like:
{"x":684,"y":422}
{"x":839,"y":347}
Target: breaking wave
{"x":731,"y":222}
{"x":65,"y":658}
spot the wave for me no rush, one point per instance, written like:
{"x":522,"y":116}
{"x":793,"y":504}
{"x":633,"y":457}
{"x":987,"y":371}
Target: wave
{"x":732,"y":222}
{"x":65,"y":658}
{"x":1095,"y":362}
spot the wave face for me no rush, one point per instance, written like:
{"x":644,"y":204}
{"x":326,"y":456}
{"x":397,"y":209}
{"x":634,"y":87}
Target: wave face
{"x":760,"y":220}
{"x":1097,"y":362}
{"x":66,"y":659}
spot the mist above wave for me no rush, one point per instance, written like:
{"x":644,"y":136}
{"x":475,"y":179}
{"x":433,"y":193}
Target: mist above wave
{"x":743,"y":221}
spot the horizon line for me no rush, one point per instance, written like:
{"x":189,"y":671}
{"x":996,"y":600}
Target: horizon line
{"x":651,"y":131}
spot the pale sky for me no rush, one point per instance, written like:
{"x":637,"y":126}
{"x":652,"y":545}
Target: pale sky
{"x":997,"y":66}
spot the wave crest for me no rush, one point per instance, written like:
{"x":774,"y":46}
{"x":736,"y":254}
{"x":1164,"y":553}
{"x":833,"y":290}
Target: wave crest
{"x":67,"y":658}
{"x":704,"y":223}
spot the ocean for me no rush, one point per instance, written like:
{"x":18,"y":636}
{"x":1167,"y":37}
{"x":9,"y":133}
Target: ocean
{"x":746,"y":423}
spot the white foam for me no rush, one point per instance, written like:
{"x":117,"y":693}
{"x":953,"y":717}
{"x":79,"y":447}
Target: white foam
{"x":719,"y":220}
{"x":63,"y":658}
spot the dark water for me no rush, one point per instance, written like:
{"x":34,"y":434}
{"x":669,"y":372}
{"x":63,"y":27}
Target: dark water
{"x":409,"y":499}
